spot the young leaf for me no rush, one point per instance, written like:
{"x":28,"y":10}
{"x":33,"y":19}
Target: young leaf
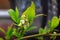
{"x":29,"y":29}
{"x":1,"y":38}
{"x":41,"y":31}
{"x":49,"y":23}
{"x":15,"y":33}
{"x":17,"y":12}
{"x":54,"y":22}
{"x":17,"y":15}
{"x":45,"y":30}
{"x":2,"y":30}
{"x":9,"y":32}
{"x":30,"y":13}
{"x":14,"y":15}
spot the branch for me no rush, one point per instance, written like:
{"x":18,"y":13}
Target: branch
{"x":36,"y":35}
{"x":40,"y":15}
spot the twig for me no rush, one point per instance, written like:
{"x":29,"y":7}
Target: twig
{"x":40,"y":15}
{"x":30,"y":36}
{"x":36,"y":35}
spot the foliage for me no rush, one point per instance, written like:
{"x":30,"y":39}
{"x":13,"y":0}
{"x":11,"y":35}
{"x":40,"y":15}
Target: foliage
{"x":54,"y":22}
{"x":24,"y":23}
{"x":9,"y":32}
{"x":14,"y":15}
{"x":52,"y":25}
{"x":30,"y":13}
{"x":1,"y":38}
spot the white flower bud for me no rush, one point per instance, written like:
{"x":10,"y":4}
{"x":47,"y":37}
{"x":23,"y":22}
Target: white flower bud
{"x":22,"y":21}
{"x":26,"y":19}
{"x":54,"y":32}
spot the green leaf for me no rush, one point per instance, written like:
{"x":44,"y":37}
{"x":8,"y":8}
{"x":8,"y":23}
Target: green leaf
{"x":41,"y":31}
{"x":1,"y":38}
{"x":17,"y":15}
{"x":18,"y":35}
{"x":14,"y":15}
{"x":45,"y":30}
{"x":30,"y":13}
{"x":54,"y":22}
{"x":1,"y":29}
{"x":29,"y":28}
{"x":17,"y":12}
{"x":9,"y":32}
{"x":15,"y":33}
{"x":49,"y":23}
